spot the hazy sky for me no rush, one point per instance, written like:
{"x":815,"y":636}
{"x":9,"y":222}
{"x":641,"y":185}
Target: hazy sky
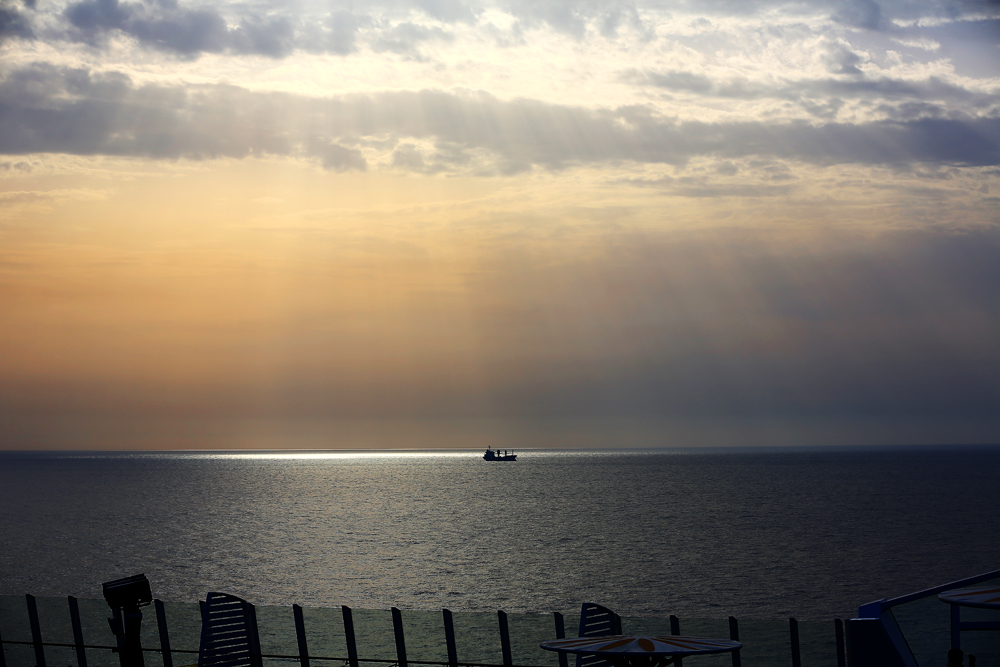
{"x":456,"y":223}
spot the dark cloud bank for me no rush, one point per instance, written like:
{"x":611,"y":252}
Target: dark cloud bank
{"x":168,"y":26}
{"x":189,"y":32}
{"x":276,"y":30}
{"x":46,"y":109}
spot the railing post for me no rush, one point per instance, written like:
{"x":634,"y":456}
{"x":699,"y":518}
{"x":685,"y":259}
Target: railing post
{"x":504,"y":638}
{"x":793,"y":633}
{"x":561,"y":634}
{"x":449,"y":637}
{"x":675,"y":630}
{"x":352,"y":646}
{"x":956,"y":626}
{"x":3,"y":661}
{"x":734,"y":634}
{"x":161,"y":626}
{"x":838,"y":629}
{"x":397,"y":630}
{"x":256,"y":659}
{"x":36,"y":631}
{"x":300,"y":635}
{"x":74,"y":619}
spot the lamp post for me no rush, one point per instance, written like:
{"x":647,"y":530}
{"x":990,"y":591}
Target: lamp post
{"x":125,"y":596}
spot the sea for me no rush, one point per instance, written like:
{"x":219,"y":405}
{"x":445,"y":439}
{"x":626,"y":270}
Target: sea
{"x":754,"y":533}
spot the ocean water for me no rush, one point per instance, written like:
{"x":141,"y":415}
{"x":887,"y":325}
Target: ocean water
{"x":752,"y":533}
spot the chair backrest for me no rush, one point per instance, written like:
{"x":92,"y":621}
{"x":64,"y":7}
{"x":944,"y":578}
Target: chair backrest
{"x":228,"y":633}
{"x":597,"y":621}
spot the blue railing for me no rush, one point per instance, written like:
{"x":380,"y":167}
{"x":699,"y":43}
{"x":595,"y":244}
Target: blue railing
{"x":917,"y":629}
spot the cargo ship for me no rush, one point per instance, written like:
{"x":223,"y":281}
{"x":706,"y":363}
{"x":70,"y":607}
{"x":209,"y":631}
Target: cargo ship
{"x":495,"y":455}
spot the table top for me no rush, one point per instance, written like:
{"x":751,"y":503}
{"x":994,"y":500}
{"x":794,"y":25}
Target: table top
{"x":610,"y":646}
{"x":985,"y":597}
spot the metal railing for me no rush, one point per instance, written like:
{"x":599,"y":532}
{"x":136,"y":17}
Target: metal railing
{"x":887,"y":634}
{"x":166,"y":648}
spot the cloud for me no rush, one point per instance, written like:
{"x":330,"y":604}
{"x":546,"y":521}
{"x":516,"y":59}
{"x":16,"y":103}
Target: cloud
{"x":450,"y":11}
{"x":922,"y":43}
{"x":192,"y":31}
{"x":167,"y":28}
{"x":17,"y":198}
{"x":405,"y":38}
{"x":336,"y":34}
{"x":189,"y":32}
{"x":578,"y":17}
{"x":13,"y":23}
{"x":688,"y":187}
{"x":335,"y":157}
{"x":841,"y":59}
{"x":17,"y":167}
{"x":679,"y":80}
{"x":824,"y":98}
{"x":409,"y":157}
{"x":268,"y":36}
{"x":861,"y":14}
{"x":278,"y":30}
{"x":61,"y":110}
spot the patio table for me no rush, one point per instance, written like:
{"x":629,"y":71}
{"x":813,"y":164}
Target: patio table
{"x":629,"y":651}
{"x":981,"y":597}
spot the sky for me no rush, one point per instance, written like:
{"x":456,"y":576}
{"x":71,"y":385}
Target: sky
{"x":460,"y":223}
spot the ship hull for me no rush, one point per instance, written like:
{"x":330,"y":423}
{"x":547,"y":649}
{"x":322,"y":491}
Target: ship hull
{"x":492,"y":456}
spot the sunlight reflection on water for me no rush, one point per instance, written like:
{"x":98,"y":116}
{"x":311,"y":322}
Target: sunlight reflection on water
{"x":754,"y":534}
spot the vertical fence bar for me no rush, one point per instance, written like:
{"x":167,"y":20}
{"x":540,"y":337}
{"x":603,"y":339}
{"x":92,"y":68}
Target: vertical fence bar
{"x":838,"y":628}
{"x":449,"y":637}
{"x":675,"y":630}
{"x":74,"y":619}
{"x":161,"y":626}
{"x":956,"y":623}
{"x":397,"y":631}
{"x":793,"y":634}
{"x":561,"y":634}
{"x":734,"y":634}
{"x":36,"y":630}
{"x":504,"y":638}
{"x":3,"y":660}
{"x":300,"y":635}
{"x":256,"y":660}
{"x":352,"y":645}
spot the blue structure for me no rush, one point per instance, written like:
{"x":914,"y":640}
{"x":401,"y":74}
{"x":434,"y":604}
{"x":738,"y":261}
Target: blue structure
{"x":874,"y":638}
